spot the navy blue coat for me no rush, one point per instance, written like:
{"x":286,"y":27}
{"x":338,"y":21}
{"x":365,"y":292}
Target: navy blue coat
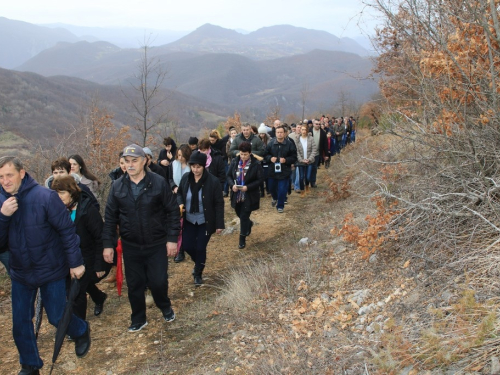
{"x":40,"y":235}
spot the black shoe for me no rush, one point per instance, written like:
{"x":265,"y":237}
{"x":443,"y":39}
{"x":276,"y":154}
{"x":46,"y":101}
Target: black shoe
{"x":197,"y":272}
{"x":242,"y":243}
{"x":198,"y":280}
{"x":169,"y":315}
{"x":225,"y":195}
{"x":262,"y":194}
{"x":180,"y":257}
{"x":82,"y":343}
{"x":29,"y":370}
{"x":100,"y":306}
{"x":314,"y":185}
{"x":137,"y":327}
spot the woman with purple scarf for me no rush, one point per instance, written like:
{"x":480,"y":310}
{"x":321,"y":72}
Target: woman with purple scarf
{"x":244,"y":178}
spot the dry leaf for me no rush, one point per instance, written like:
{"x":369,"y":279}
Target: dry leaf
{"x":407,"y":263}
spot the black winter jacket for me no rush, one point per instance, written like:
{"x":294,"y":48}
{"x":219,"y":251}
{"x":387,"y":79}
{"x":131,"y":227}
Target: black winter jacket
{"x":213,"y":201}
{"x":253,"y":178}
{"x":217,"y":166}
{"x":151,"y":219}
{"x":286,"y":150}
{"x":163,"y":156}
{"x":323,"y":142}
{"x":88,"y":222}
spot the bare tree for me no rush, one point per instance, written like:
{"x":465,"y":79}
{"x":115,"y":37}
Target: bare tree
{"x":148,"y":101}
{"x":304,"y":93}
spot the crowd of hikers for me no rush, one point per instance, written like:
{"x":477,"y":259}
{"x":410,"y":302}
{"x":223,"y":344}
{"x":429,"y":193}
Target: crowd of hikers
{"x":54,"y":234}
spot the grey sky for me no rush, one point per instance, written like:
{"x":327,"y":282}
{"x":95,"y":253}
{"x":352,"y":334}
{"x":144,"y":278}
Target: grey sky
{"x":339,"y":17}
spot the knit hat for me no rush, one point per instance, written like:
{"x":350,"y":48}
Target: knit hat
{"x":134,"y":150}
{"x":193,"y":141}
{"x":147,"y":151}
{"x":198,"y":157}
{"x":263,"y":129}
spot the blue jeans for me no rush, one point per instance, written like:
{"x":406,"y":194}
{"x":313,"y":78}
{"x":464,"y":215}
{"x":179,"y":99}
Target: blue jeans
{"x":305,"y":175}
{"x":4,"y":258}
{"x":296,"y":181}
{"x":23,"y":311}
{"x":279,"y":188}
{"x":312,"y":171}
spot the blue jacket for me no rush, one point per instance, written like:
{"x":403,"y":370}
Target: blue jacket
{"x":40,"y":235}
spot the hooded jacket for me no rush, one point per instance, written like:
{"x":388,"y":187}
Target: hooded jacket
{"x":50,"y":179}
{"x":40,"y":235}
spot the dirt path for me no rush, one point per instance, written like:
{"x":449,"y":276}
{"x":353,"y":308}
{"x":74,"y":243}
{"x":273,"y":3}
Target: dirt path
{"x":116,"y":351}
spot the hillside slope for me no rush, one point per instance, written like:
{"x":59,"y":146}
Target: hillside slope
{"x":35,"y":107}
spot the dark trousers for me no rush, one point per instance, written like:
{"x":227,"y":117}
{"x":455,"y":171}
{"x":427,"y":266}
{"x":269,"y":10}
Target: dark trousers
{"x":146,"y":266}
{"x":264,"y":186}
{"x":314,"y":170}
{"x":243,"y":211}
{"x":194,"y":242}
{"x":87,"y":285}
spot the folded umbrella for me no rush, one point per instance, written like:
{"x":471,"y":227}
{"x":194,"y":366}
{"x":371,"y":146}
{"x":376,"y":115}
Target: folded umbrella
{"x":62,"y":327}
{"x":119,"y":269}
{"x":38,"y":312}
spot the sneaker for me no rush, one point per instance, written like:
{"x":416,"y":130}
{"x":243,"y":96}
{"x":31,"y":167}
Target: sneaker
{"x":286,"y":201}
{"x":137,"y":327}
{"x":169,"y":315}
{"x":273,"y":203}
{"x":280,"y":210}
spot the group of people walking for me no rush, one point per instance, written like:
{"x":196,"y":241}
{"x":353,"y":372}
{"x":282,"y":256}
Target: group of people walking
{"x":170,"y":206}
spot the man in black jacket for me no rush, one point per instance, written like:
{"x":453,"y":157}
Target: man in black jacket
{"x":281,"y":153}
{"x":143,"y":206}
{"x":321,"y":141}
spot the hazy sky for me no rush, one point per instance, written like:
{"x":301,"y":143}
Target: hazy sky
{"x":339,"y":17}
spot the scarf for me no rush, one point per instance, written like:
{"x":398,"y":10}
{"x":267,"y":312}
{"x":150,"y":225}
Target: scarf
{"x":240,"y":178}
{"x":195,"y":189}
{"x":209,"y":158}
{"x":178,"y":171}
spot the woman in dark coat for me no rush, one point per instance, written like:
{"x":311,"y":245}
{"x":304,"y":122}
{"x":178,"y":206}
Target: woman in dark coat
{"x":244,"y":177}
{"x":89,"y":224}
{"x":215,"y":162}
{"x":199,"y":195}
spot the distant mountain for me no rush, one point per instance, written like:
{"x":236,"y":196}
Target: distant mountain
{"x":20,"y":41}
{"x":35,"y":108}
{"x":123,"y":37}
{"x":231,"y":81}
{"x":265,"y":43}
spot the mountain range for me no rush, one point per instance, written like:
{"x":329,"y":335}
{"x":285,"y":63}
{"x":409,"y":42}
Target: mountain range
{"x":212,"y":72}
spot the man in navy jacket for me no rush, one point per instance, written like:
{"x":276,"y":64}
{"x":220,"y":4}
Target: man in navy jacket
{"x":44,"y":248}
